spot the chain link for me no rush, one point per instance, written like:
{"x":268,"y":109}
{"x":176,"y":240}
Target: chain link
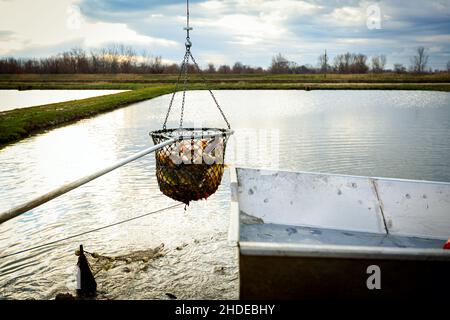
{"x":185,"y":72}
{"x":186,"y":77}
{"x":210,"y":91}
{"x":175,"y":90}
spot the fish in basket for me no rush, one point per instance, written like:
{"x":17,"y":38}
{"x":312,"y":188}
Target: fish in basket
{"x":192,"y":167}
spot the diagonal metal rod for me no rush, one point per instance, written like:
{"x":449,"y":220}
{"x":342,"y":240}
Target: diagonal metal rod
{"x":14,"y":212}
{"x":36,"y":202}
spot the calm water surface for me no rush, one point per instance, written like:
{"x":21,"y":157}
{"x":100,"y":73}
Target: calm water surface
{"x":13,"y":99}
{"x":396,"y":134}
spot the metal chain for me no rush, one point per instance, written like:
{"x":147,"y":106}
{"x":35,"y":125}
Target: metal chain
{"x":188,"y":28}
{"x":184,"y":71}
{"x":176,"y":89}
{"x":188,"y":45}
{"x":210,"y":91}
{"x":186,"y":76}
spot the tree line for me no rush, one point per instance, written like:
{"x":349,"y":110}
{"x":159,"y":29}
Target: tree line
{"x":356,"y":63}
{"x":114,"y":59}
{"x":124,"y":59}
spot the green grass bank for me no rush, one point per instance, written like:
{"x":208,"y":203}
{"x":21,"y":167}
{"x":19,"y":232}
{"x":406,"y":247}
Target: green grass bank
{"x":21,"y":123}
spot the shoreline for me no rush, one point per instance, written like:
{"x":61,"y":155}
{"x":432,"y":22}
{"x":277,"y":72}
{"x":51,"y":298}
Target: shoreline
{"x":18,"y":124}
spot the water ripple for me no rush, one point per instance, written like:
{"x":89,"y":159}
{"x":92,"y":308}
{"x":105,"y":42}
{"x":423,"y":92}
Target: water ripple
{"x":379,"y":133}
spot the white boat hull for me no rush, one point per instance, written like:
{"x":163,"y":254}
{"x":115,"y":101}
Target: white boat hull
{"x":306,"y":235}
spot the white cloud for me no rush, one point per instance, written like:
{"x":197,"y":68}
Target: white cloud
{"x":225,"y":31}
{"x":435,"y":38}
{"x":215,"y":58}
{"x":213,"y":5}
{"x":247,"y":29}
{"x":98,"y":33}
{"x":49,"y":22}
{"x":347,"y":16}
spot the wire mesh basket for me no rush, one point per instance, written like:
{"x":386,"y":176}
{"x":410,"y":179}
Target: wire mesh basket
{"x":191,"y":168}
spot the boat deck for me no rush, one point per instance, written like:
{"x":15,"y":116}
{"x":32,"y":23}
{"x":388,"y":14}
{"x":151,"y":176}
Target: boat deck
{"x":278,"y":233}
{"x":310,"y":236}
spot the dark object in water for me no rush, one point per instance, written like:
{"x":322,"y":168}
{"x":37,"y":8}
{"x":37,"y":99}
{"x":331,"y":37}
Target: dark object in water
{"x":86,"y":285}
{"x":190,"y":169}
{"x":171,"y":296}
{"x":24,"y":88}
{"x":64,"y":296}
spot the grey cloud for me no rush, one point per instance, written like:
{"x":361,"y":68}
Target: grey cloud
{"x":405,"y":25}
{"x":6,"y":34}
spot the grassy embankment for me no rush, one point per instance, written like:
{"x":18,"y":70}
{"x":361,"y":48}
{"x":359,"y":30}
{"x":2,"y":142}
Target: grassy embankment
{"x":20,"y":123}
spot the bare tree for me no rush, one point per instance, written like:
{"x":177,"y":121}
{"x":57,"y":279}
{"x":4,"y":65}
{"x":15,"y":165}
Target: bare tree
{"x":343,"y":62}
{"x":279,"y":64}
{"x":359,"y":63}
{"x":339,"y":64}
{"x":323,"y":62}
{"x":348,"y":61}
{"x":448,"y":66}
{"x":351,"y":63}
{"x":378,"y":63}
{"x":224,"y":69}
{"x":211,"y":68}
{"x":238,"y":67}
{"x":420,"y":60}
{"x":383,"y":62}
{"x":399,"y":68}
{"x":156,"y":65}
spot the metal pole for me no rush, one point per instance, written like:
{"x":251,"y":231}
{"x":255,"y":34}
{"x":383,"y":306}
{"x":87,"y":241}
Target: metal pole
{"x":187,"y":16}
{"x":36,"y":202}
{"x":14,"y":212}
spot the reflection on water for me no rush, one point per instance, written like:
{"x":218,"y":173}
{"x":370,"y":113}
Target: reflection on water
{"x":378,"y":133}
{"x":12,"y":99}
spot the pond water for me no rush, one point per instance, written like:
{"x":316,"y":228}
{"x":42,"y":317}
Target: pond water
{"x":13,"y":99}
{"x":399,"y":134}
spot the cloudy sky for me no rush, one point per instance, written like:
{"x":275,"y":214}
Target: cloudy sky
{"x":250,"y":31}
